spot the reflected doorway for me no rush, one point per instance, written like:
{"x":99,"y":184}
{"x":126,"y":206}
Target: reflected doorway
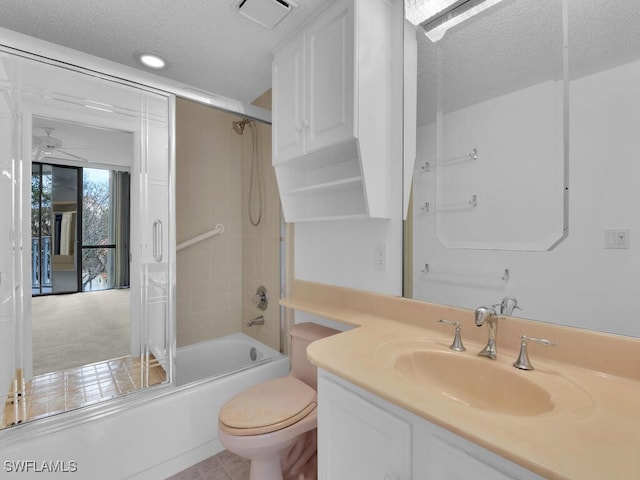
{"x":80,"y":248}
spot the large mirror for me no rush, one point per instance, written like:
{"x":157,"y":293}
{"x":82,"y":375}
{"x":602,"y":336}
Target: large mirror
{"x":549,"y":91}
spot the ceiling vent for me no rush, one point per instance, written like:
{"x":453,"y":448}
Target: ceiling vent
{"x":267,"y":13}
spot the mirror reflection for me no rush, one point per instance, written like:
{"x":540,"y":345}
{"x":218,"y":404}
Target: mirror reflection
{"x":79,"y":325}
{"x":79,"y":246}
{"x":586,"y":279}
{"x":497,"y":130}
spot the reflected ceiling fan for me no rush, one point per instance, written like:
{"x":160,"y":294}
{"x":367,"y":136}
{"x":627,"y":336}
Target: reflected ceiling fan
{"x":46,"y":145}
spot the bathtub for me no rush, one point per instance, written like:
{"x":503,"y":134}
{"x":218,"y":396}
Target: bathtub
{"x":180,"y":424}
{"x":223,"y":356}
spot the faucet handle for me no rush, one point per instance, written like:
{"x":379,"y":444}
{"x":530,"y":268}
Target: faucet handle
{"x":522,"y":362}
{"x":457,"y":339}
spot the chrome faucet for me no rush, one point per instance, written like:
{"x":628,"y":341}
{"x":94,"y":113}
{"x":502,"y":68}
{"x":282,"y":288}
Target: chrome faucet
{"x":256,"y":321}
{"x":489,"y":316}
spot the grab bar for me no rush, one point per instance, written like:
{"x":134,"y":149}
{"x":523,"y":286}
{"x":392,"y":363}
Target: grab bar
{"x":212,"y":233}
{"x":471,"y":156}
{"x":429,"y":269}
{"x":468,"y":205}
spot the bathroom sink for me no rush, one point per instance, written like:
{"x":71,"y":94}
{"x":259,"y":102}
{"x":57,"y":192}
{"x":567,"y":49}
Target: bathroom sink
{"x":474,"y":381}
{"x":440,"y":374}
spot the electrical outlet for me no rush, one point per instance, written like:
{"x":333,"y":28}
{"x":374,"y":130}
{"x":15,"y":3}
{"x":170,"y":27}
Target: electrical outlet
{"x":616,"y":239}
{"x":380,"y":258}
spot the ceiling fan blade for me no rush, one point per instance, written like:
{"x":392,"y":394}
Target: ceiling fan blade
{"x":78,"y":148}
{"x":39,"y":154}
{"x":77,"y":157}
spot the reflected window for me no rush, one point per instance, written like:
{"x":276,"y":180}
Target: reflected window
{"x":105,"y":229}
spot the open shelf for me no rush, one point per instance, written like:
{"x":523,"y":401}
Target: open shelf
{"x":334,"y":186}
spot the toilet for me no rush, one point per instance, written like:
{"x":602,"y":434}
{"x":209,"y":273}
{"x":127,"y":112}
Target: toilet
{"x":273,"y":423}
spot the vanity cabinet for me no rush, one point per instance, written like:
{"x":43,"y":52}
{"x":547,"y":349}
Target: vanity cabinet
{"x":358,"y":439}
{"x":363,"y":437}
{"x":337,"y":116}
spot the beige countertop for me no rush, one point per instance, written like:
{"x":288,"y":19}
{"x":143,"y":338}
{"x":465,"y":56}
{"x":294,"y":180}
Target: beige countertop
{"x":593,"y":431}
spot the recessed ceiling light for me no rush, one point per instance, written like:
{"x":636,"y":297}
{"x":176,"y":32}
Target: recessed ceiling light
{"x":151,"y":60}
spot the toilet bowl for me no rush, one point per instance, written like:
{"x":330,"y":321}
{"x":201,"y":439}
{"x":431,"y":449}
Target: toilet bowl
{"x":273,"y":423}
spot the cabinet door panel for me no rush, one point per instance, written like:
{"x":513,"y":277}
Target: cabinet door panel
{"x":330,"y":69}
{"x":451,"y":462}
{"x":358,"y":440}
{"x":288,"y":80}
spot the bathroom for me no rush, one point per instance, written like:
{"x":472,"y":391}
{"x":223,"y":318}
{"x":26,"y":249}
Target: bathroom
{"x":343,"y":253}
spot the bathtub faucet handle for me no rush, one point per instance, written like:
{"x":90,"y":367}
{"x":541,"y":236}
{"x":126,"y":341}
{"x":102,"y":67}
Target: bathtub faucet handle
{"x":256,"y":321}
{"x":260,"y":299}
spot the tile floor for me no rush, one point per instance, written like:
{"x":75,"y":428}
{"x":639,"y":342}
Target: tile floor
{"x":58,"y":392}
{"x":223,"y":466}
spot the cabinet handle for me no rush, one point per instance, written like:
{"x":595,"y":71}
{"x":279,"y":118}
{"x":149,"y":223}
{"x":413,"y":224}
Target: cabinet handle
{"x":157,"y":241}
{"x":392,"y":476}
{"x":305,"y":124}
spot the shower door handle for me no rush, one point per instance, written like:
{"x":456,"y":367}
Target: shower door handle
{"x":157,"y":241}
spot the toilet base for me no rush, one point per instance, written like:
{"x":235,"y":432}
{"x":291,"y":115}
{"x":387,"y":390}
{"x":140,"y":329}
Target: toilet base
{"x":296,"y":462}
{"x":266,"y":469}
{"x":276,"y":455}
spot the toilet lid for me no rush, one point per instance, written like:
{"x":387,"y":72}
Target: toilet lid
{"x":267,"y":407}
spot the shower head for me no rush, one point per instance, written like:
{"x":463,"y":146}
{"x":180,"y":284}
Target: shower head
{"x":238,"y":126}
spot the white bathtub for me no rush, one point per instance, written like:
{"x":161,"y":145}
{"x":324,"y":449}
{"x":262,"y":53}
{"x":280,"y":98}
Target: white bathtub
{"x":180,"y":425}
{"x":222,"y":356}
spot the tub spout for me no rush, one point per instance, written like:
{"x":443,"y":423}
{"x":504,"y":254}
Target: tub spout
{"x":256,"y":321}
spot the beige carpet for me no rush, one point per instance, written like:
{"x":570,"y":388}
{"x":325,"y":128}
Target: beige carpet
{"x":79,"y":328}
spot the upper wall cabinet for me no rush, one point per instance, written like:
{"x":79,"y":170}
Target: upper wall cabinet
{"x":337,"y":112}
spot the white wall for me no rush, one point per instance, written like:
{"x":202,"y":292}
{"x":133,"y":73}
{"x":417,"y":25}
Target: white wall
{"x":579,"y":281}
{"x":342,"y":253}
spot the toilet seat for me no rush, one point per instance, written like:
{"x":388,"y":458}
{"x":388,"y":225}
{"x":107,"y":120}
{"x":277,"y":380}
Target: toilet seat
{"x":268,"y":407}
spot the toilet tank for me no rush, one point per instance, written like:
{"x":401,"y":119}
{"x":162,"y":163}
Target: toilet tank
{"x":302,"y":334}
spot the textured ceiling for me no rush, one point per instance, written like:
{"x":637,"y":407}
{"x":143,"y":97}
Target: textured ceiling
{"x":208,"y":43}
{"x":212,"y":47}
{"x":518,"y":43}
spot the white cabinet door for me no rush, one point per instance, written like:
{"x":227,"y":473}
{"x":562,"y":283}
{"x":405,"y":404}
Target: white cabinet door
{"x":358,"y":440}
{"x":288,"y":96}
{"x":451,"y":461}
{"x":329,"y":95}
{"x":362,"y":436}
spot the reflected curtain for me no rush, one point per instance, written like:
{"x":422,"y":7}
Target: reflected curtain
{"x":120,"y":195}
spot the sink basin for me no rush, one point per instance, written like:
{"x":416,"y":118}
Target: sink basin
{"x":474,"y":381}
